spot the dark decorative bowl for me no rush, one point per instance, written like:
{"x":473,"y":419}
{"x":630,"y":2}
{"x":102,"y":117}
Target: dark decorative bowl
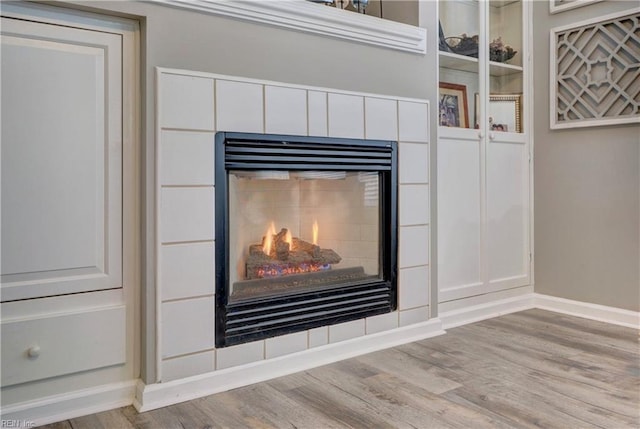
{"x":463,"y":45}
{"x":468,"y":46}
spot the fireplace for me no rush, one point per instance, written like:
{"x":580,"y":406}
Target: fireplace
{"x":306,"y":233}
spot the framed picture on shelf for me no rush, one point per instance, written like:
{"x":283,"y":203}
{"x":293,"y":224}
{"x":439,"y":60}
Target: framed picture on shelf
{"x":505,"y":112}
{"x":453,"y":107}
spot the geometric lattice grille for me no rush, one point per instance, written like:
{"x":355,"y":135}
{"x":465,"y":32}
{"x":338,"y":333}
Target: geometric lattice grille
{"x":598,"y":71}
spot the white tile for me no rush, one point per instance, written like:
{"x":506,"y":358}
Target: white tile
{"x":285,"y":110}
{"x":413,"y":163}
{"x":346,"y":116}
{"x":186,"y":158}
{"x":345,"y":331}
{"x":414,"y":246}
{"x":187,"y":326}
{"x":240,"y":354}
{"x":417,"y":315}
{"x":187,"y":270}
{"x":285,"y":344}
{"x":381,"y":118}
{"x":186,"y":214}
{"x":413,"y":121}
{"x":382,"y":322}
{"x":186,"y":366}
{"x":317,"y":105}
{"x":414,"y":204}
{"x":186,"y":102}
{"x":413,"y":287}
{"x":318,"y":336}
{"x":239,"y":106}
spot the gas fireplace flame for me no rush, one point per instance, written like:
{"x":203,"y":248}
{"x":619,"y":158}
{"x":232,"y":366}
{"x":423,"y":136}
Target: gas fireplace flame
{"x":315,"y":232}
{"x":288,"y":238}
{"x":268,"y":239}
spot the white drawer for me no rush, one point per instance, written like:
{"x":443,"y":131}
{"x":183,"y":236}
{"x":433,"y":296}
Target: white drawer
{"x":63,"y":344}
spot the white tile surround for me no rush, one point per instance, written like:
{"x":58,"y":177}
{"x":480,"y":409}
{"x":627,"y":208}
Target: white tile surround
{"x":192,"y":106}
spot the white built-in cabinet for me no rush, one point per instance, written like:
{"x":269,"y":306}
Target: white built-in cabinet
{"x":484,"y":145}
{"x":69,"y":259}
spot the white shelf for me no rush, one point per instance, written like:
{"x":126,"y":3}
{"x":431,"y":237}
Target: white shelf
{"x":449,"y":60}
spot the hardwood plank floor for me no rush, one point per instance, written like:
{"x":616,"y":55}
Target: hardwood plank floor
{"x":530,"y":369}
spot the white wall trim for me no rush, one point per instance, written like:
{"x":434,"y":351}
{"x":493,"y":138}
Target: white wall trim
{"x":149,"y":397}
{"x":301,"y":15}
{"x":71,"y":405}
{"x":476,"y":313}
{"x":601,"y":313}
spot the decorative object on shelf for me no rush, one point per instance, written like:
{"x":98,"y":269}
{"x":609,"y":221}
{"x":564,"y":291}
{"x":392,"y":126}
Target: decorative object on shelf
{"x":505,"y":112}
{"x":463,"y":45}
{"x":452,"y":105}
{"x":499,"y":52}
{"x":442,"y":42}
{"x":468,"y":46}
{"x":594,"y":72}
{"x":556,"y":6}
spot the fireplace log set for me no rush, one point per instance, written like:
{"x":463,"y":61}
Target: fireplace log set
{"x":284,"y":258}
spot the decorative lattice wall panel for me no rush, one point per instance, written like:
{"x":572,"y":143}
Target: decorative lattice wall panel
{"x":595,"y":72}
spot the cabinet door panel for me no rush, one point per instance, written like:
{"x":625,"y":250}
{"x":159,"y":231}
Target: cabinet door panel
{"x":459,"y":219}
{"x":61,"y":160}
{"x":507,"y":212}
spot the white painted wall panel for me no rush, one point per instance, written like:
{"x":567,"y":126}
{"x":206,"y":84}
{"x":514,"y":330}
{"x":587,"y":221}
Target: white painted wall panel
{"x":285,"y":344}
{"x":507,"y":210}
{"x":458,"y":213}
{"x":317,"y":111}
{"x":186,"y":158}
{"x":187,"y":214}
{"x":178,"y":91}
{"x":345,"y":331}
{"x":318,"y":336}
{"x":346,"y":116}
{"x":381,"y":118}
{"x":187,"y":270}
{"x":240,"y":106}
{"x":187,"y":326}
{"x":414,"y":205}
{"x":413,"y":122}
{"x":413,"y":287}
{"x":414,"y":246}
{"x":381,"y":322}
{"x":186,"y":366}
{"x":239,"y":355}
{"x":285,"y":110}
{"x":61,"y":160}
{"x":413,"y":163}
{"x":416,"y":315}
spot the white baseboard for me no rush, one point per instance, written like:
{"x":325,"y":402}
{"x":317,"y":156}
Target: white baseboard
{"x":70,"y":405}
{"x":476,"y":313}
{"x":149,"y":397}
{"x":602,"y":313}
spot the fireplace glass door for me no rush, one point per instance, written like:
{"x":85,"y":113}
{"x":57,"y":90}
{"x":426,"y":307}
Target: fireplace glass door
{"x":306,"y":233}
{"x":297,"y":231}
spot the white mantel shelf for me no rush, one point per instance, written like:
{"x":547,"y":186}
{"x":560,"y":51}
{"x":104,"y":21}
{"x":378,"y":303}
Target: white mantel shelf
{"x":302,"y":15}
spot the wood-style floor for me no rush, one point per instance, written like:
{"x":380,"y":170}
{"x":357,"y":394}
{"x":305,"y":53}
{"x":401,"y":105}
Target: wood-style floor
{"x":529,"y":369}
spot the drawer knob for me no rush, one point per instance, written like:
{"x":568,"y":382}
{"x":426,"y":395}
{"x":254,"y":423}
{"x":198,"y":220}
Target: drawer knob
{"x":33,"y":351}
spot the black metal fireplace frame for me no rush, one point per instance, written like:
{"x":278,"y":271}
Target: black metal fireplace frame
{"x":260,"y":318}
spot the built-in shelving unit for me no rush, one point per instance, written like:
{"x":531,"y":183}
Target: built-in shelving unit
{"x":484,"y":192}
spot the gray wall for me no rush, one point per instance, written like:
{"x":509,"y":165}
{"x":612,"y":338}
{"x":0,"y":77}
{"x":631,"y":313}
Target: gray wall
{"x":587,"y":191}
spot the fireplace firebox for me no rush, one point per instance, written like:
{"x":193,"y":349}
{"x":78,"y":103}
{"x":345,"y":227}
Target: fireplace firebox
{"x":306,"y":233}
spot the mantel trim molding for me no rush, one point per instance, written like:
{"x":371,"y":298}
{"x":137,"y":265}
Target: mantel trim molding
{"x":313,"y":18}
